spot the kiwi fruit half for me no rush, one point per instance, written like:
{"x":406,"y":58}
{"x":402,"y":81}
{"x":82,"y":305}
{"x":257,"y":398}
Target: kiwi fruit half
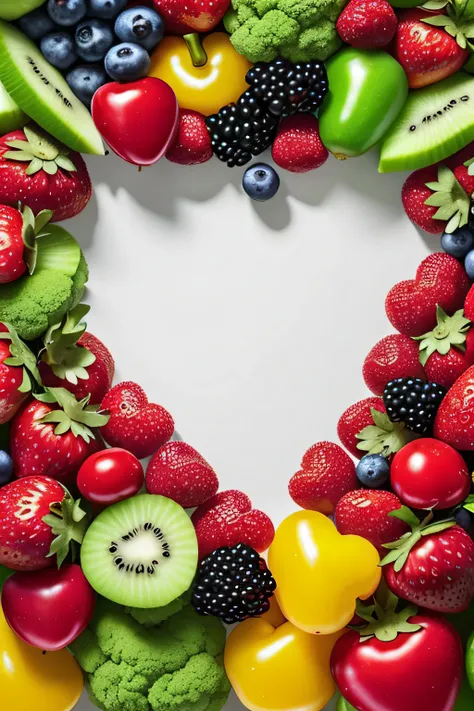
{"x":435,"y":122}
{"x":43,"y":94}
{"x":13,"y":9}
{"x":141,"y":552}
{"x":11,"y":116}
{"x":58,"y":251}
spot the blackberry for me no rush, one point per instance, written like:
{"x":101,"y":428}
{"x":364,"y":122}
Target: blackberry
{"x":242,"y":130}
{"x":413,"y":402}
{"x":233,"y":583}
{"x":286,"y":88}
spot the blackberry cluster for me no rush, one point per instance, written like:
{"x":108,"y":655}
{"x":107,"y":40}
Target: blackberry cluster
{"x":233,"y":583}
{"x":413,"y":402}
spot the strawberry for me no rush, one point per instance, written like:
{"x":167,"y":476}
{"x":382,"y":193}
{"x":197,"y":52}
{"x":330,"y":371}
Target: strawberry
{"x":179,"y":472}
{"x":367,"y":24}
{"x":17,"y":370}
{"x":227,"y":519}
{"x":427,"y":54}
{"x":18,"y":233}
{"x":326,"y":474}
{"x":51,"y":435}
{"x":42,"y":174}
{"x":365,"y":513}
{"x":395,"y":356}
{"x":440,"y":281}
{"x":354,"y":419}
{"x":193,"y":142}
{"x":75,"y":359}
{"x":454,"y":423}
{"x":297,"y":146}
{"x":469,"y":305}
{"x":135,"y":424}
{"x":465,"y":180}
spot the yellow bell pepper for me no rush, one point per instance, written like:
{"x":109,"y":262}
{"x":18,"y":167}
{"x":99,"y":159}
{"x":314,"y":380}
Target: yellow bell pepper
{"x":320,"y":573}
{"x":274,"y":666}
{"x":204,"y":78}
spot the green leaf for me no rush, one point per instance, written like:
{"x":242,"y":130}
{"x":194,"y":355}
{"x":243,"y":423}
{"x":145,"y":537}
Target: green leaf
{"x":405,"y":514}
{"x":34,"y":167}
{"x":50,"y":167}
{"x":469,"y":507}
{"x":25,"y":386}
{"x":21,"y":352}
{"x":20,"y":156}
{"x":66,"y":163}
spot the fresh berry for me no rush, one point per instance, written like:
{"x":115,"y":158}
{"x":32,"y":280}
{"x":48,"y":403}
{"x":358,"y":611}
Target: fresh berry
{"x":135,"y":424}
{"x":227,"y":519}
{"x":261,"y":182}
{"x":326,"y":474}
{"x":18,"y":234}
{"x":178,"y":472}
{"x":414,"y":402}
{"x":469,"y":264}
{"x":193,"y":142}
{"x":440,"y":281}
{"x":373,"y":471}
{"x":367,"y":24}
{"x":184,"y":16}
{"x":454,"y":422}
{"x":85,"y":80}
{"x":382,"y":436}
{"x":458,"y":243}
{"x":66,"y":12}
{"x":6,"y":467}
{"x":106,"y":9}
{"x":94,"y":38}
{"x":395,"y":356}
{"x":233,"y":583}
{"x":469,"y":305}
{"x":464,"y":519}
{"x":140,"y":25}
{"x":297,"y":146}
{"x":365,"y":513}
{"x":127,"y":62}
{"x":110,"y":476}
{"x":12,"y":378}
{"x":59,"y":49}
{"x":354,"y":420}
{"x":36,"y":24}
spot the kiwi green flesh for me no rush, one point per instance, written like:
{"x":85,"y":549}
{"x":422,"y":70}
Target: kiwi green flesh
{"x":141,"y":552}
{"x":43,"y":94}
{"x":435,"y":122}
{"x":58,"y":251}
{"x":13,"y":9}
{"x":11,"y":116}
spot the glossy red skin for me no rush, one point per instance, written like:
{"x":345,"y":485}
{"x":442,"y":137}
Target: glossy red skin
{"x":454,"y":421}
{"x":446,"y":369}
{"x":184,"y":16}
{"x":417,"y":671}
{"x":11,"y":378}
{"x":50,"y":608}
{"x":354,"y":419}
{"x":395,"y":356}
{"x":138,"y":120}
{"x":109,"y":476}
{"x":12,"y":265}
{"x":428,"y":473}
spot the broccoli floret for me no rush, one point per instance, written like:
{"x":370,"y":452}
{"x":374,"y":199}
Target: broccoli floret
{"x":170,"y":665}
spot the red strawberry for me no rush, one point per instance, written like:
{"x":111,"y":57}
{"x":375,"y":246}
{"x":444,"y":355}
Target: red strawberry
{"x":411,"y":305}
{"x":193,"y":142}
{"x":395,"y":356}
{"x":465,"y":180}
{"x":365,"y":513}
{"x":179,"y":472}
{"x":64,"y":187}
{"x":414,"y":195}
{"x":469,"y":305}
{"x":428,"y":54}
{"x":17,"y":368}
{"x":297,"y":146}
{"x":18,"y":233}
{"x":326,"y":474}
{"x":184,"y":16}
{"x":367,"y":24}
{"x":454,"y":423}
{"x":135,"y":424}
{"x":354,"y":420}
{"x":227,"y":519}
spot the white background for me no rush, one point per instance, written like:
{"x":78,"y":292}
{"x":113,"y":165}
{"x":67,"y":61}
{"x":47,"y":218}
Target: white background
{"x":249,"y":322}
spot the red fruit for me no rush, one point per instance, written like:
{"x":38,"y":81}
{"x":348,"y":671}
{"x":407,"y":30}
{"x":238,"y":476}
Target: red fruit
{"x":326,"y":474}
{"x":465,"y":180}
{"x":447,"y":351}
{"x":454,"y":423}
{"x":469,"y":304}
{"x":414,"y":195}
{"x":365,"y":513}
{"x":354,"y":419}
{"x":367,"y":24}
{"x":110,"y":476}
{"x":428,"y":474}
{"x":49,"y":608}
{"x":66,"y":192}
{"x":12,"y":246}
{"x":179,"y":472}
{"x":411,"y":305}
{"x":138,"y":119}
{"x":135,"y":424}
{"x":227,"y":519}
{"x":11,"y":378}
{"x":297,"y":146}
{"x":184,"y":16}
{"x":193,"y":142}
{"x":395,"y":356}
{"x":428,"y":54}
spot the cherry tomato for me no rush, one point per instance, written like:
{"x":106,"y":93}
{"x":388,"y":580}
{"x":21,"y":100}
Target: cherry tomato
{"x":428,"y":473}
{"x":110,"y":476}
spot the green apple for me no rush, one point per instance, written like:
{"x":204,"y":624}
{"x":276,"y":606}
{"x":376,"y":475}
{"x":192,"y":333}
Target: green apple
{"x":13,"y":9}
{"x":11,"y":116}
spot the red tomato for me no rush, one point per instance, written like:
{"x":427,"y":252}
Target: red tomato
{"x":110,"y":476}
{"x":428,"y":473}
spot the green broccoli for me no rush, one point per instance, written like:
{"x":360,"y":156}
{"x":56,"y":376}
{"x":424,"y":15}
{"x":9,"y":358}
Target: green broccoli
{"x":300,"y":30}
{"x":174,"y":665}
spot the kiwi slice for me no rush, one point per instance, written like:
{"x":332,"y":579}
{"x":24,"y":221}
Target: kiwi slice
{"x":42,"y":93}
{"x":11,"y":116}
{"x":58,"y":251}
{"x":13,"y":9}
{"x":141,"y":552}
{"x":435,"y":122}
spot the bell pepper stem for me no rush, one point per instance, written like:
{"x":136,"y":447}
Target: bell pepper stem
{"x":196,"y":50}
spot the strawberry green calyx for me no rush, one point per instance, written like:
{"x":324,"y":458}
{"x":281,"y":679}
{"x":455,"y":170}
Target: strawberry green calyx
{"x":73,"y":415}
{"x":451,"y":331}
{"x":40,"y":151}
{"x":384,"y":436}
{"x":68,"y":523}
{"x":469,"y":502}
{"x":457,"y":22}
{"x":21,"y":356}
{"x":450,"y":198}
{"x":384,"y":622}
{"x":67,"y":359}
{"x":33,"y":228}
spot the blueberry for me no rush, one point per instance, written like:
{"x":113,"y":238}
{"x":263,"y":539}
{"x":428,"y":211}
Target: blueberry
{"x":459,"y":243}
{"x":84,"y":81}
{"x":6,"y":467}
{"x":106,"y":9}
{"x":58,"y":49}
{"x":469,"y":264}
{"x":66,"y":12}
{"x":127,"y":62}
{"x":94,"y":38}
{"x":261,"y":182}
{"x":463,"y":518}
{"x":373,"y":471}
{"x":36,"y":24}
{"x":140,"y":25}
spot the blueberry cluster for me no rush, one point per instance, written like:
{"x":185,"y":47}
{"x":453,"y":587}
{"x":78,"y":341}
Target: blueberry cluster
{"x":460,"y":244}
{"x":94,"y":41}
